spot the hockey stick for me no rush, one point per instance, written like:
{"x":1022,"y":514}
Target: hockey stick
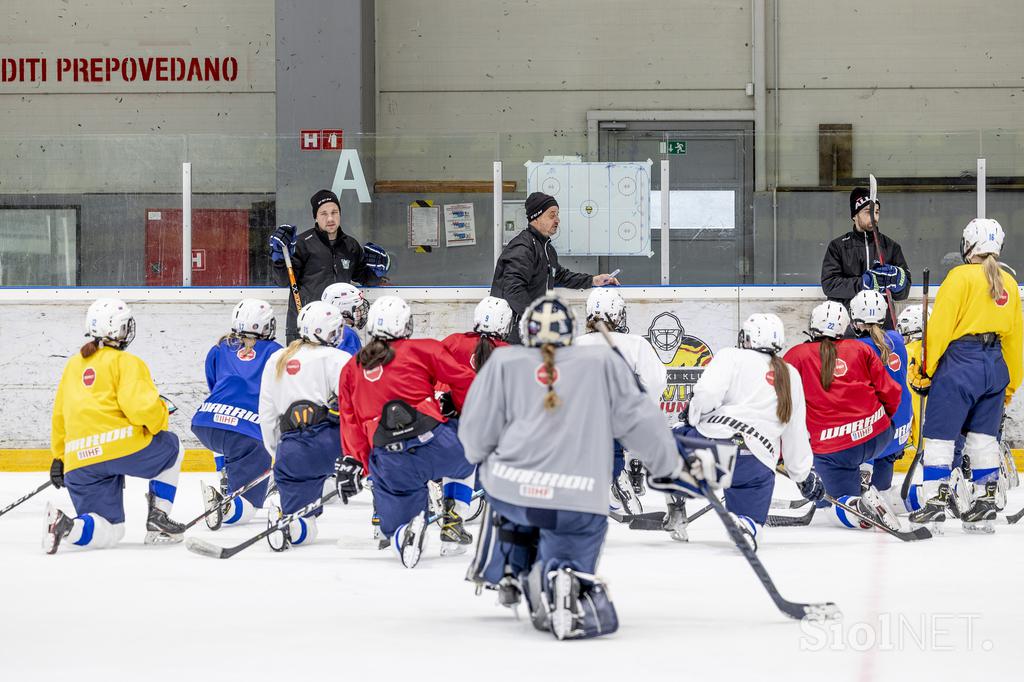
{"x":241,"y":491}
{"x":921,"y":533}
{"x":1014,"y":518}
{"x":873,"y":197}
{"x":14,"y":504}
{"x":437,"y":517}
{"x":789,"y":504}
{"x":784,"y":521}
{"x":291,"y":274}
{"x":204,"y":548}
{"x":919,"y":455}
{"x":799,"y":611}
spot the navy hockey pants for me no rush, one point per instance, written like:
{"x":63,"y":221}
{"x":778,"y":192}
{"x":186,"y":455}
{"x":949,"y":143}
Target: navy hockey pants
{"x":840,"y":471}
{"x":245,"y":458}
{"x":305,"y":459}
{"x":99,"y":488}
{"x":400,"y":477}
{"x":967,"y":391}
{"x":514,"y":538}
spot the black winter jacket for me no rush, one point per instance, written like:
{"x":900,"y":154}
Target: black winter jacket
{"x":318,"y":264}
{"x":848,"y":257}
{"x":528,"y":267}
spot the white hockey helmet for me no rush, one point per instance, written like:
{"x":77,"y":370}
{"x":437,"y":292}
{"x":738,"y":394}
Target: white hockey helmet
{"x":829,"y":319}
{"x":910,"y":323}
{"x":547,"y":321}
{"x":109,"y":321}
{"x":492,"y":317}
{"x":390,"y":318}
{"x":606,"y":304}
{"x":350,"y":301}
{"x":320,"y":323}
{"x":254,"y":319}
{"x":868,"y":307}
{"x":981,"y":236}
{"x":763,"y":332}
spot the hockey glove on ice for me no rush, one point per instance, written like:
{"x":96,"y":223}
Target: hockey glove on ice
{"x":811,"y":487}
{"x":57,"y":473}
{"x":349,"y":479}
{"x":283,"y":234}
{"x":917,"y":379}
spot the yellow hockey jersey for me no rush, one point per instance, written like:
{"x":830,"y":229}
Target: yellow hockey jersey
{"x":963,"y":306}
{"x":106,"y":407}
{"x":913,"y":358}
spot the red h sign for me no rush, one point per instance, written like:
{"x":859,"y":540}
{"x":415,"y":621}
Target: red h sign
{"x":309,"y":140}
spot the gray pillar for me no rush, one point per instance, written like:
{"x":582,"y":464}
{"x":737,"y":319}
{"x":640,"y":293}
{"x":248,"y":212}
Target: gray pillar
{"x":324,"y":80}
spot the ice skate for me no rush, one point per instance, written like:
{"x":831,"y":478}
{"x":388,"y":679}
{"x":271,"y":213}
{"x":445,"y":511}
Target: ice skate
{"x":980,"y":518}
{"x":58,"y":527}
{"x":213,"y":504}
{"x":933,"y":513}
{"x":281,"y":539}
{"x":623,"y":495}
{"x":872,"y":504}
{"x":223,"y":484}
{"x":410,"y":540}
{"x":378,"y":534}
{"x":435,"y":499}
{"x":747,"y":527}
{"x":454,"y":538}
{"x":637,"y":477}
{"x":961,"y":491}
{"x":675,"y":519}
{"x":509,"y":592}
{"x":1007,"y":467}
{"x":160,"y":529}
{"x":565,"y":608}
{"x":865,"y":480}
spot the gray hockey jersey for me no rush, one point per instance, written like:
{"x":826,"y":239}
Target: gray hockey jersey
{"x":560,"y":459}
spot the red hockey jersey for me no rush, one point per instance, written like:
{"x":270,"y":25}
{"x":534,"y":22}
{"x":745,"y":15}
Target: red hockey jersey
{"x":858,"y":404}
{"x":418,"y":365}
{"x":462,"y":346}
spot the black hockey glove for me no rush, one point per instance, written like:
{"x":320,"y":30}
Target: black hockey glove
{"x":349,"y":477}
{"x":57,"y":473}
{"x":447,"y":405}
{"x":811,"y":487}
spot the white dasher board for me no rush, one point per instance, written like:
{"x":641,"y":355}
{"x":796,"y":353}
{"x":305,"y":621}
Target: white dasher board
{"x":604,"y":207}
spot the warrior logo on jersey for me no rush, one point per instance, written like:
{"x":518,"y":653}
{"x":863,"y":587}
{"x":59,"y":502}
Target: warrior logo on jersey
{"x":677,"y":349}
{"x":293,"y":366}
{"x":374,"y":374}
{"x":89,"y":376}
{"x":1001,"y":301}
{"x":841,"y":368}
{"x":894,"y":362}
{"x":246,"y":354}
{"x":541,"y":375}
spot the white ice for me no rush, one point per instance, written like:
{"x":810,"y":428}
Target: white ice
{"x":946,"y":608}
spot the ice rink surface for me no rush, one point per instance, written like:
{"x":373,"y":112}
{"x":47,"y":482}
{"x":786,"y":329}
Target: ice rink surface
{"x":942,"y":609}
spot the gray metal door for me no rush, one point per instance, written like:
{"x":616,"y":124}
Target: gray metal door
{"x":718,"y":159}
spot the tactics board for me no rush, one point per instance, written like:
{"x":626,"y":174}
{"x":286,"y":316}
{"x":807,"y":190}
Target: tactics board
{"x":604,"y":207}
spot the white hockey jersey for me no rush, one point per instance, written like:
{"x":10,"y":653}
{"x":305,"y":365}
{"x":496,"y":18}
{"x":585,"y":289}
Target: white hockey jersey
{"x":640,"y":357}
{"x":311,"y":374}
{"x":734,"y":396}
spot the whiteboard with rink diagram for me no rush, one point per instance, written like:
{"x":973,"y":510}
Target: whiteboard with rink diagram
{"x":604,"y":207}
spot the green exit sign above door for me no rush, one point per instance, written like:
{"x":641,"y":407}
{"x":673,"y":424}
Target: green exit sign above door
{"x":673,"y":147}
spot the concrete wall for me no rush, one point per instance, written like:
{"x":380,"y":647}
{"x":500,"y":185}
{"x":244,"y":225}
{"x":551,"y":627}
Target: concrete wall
{"x":174,"y":336}
{"x":60,"y":137}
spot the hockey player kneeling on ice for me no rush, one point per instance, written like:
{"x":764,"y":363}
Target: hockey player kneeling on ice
{"x":868,"y":310}
{"x":973,"y":350}
{"x":298,"y":418}
{"x":540,"y":421}
{"x":109,"y":422}
{"x":850,"y":403}
{"x":353,"y":305}
{"x":228,"y":422}
{"x":393,"y":423}
{"x":749,"y":396}
{"x":606,"y":305}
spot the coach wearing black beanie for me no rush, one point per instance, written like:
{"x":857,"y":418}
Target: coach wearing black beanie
{"x":320,"y":257}
{"x":528,"y":266}
{"x":852,"y":262}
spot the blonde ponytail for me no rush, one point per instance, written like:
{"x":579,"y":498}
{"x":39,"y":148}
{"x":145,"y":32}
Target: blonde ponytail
{"x":881,"y":341}
{"x":994,"y":273}
{"x":551,"y":400}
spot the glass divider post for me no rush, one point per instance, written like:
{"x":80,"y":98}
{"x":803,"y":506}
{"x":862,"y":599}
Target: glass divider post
{"x":498,"y":212}
{"x":665,"y":236}
{"x":186,"y":224}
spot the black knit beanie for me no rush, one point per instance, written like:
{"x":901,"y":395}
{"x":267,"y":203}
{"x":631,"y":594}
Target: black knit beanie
{"x":859,"y":197}
{"x":537,"y":203}
{"x":322,"y":197}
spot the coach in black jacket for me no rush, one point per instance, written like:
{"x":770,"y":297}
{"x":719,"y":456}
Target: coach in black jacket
{"x":528,"y":266}
{"x":852,"y":263}
{"x":320,"y":257}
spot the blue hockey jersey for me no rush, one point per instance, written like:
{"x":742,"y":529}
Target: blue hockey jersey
{"x":233,"y":374}
{"x":895,"y":361}
{"x":350,"y":342}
